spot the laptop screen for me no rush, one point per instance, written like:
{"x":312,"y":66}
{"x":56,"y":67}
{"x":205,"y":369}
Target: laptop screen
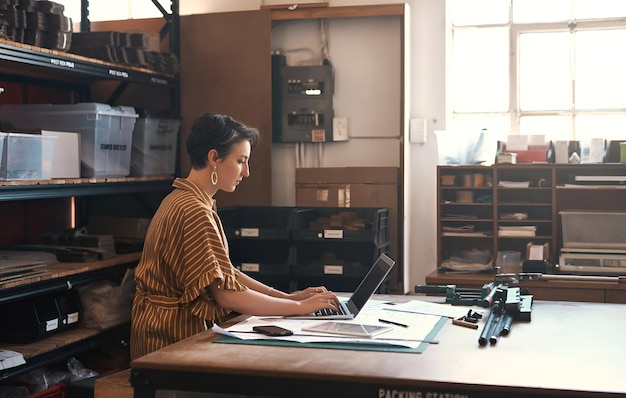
{"x":371,"y":282}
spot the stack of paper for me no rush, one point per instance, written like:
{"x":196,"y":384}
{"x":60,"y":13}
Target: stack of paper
{"x":514,"y":184}
{"x":517,"y":230}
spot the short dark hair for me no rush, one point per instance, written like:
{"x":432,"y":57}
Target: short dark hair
{"x":219,"y":132}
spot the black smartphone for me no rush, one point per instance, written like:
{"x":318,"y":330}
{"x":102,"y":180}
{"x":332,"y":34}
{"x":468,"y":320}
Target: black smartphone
{"x":271,"y":330}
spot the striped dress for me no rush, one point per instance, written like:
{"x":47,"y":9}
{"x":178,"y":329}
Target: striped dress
{"x":184,"y":252}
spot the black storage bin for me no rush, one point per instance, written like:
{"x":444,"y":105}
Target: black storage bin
{"x":267,"y":261}
{"x":70,"y":308}
{"x":29,"y":320}
{"x":35,"y":318}
{"x":337,"y":266}
{"x":366,"y":224}
{"x":257,"y":222}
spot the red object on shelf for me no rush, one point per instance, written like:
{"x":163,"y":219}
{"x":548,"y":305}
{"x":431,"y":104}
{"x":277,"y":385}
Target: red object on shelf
{"x":56,"y":391}
{"x":531,"y":156}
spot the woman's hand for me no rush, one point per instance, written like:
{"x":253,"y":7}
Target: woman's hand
{"x":306,"y":293}
{"x":319,"y":301}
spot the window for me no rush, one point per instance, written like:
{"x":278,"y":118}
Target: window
{"x":554,"y":68}
{"x":111,"y":10}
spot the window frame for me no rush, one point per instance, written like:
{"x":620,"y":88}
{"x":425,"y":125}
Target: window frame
{"x":515,"y":31}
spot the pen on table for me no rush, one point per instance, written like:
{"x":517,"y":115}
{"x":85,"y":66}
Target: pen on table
{"x":393,"y":323}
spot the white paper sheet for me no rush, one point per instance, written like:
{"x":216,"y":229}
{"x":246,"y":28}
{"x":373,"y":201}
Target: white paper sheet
{"x":418,"y":327}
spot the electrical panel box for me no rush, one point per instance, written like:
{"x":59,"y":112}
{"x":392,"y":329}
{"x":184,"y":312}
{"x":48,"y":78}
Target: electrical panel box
{"x":306,"y":96}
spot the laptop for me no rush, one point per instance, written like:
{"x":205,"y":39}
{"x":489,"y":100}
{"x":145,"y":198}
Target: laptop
{"x":351,"y":308}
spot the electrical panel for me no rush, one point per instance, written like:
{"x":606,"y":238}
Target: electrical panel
{"x":306,"y":103}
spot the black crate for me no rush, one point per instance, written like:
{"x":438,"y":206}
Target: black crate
{"x":334,"y":259}
{"x":38,"y":317}
{"x":355,"y":224}
{"x":265,"y":261}
{"x":257,"y":222}
{"x":270,"y":256}
{"x":70,"y":308}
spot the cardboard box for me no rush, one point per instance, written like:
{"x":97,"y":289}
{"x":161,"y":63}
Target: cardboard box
{"x":342,"y":175}
{"x":114,"y":385}
{"x":353,"y":187}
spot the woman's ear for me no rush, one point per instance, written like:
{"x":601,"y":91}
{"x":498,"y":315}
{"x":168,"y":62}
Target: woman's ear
{"x":212,"y":157}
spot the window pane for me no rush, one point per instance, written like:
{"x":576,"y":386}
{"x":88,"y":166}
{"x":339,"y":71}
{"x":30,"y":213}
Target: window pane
{"x":480,"y":70}
{"x":71,"y":9}
{"x":498,"y":126}
{"x":526,"y":11}
{"x":601,"y":126}
{"x":478,"y":12}
{"x":108,"y":10}
{"x":544,"y":78}
{"x":145,"y":9}
{"x":593,"y":9}
{"x":600,"y":66}
{"x":553,"y":127}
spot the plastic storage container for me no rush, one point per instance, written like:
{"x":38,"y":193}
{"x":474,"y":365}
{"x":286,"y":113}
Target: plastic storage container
{"x":594,"y":229}
{"x":155,"y":139}
{"x":106,"y":131}
{"x":26,"y":156}
{"x":465,"y":147}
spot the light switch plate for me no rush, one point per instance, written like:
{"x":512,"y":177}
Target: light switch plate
{"x":417,"y":130}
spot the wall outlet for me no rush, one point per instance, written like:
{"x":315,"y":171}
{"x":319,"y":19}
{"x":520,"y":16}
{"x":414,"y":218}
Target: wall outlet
{"x":340,"y":128}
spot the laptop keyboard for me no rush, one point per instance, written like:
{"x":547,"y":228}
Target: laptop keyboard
{"x":328,"y":311}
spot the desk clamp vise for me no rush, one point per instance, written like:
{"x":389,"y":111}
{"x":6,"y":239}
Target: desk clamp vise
{"x":482,"y":297}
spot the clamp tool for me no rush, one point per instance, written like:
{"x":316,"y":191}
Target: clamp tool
{"x":461,"y":296}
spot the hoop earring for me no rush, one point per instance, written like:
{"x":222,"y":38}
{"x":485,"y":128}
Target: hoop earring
{"x":214,"y":176}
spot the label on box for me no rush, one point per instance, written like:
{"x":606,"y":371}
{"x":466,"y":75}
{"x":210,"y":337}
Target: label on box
{"x":250,"y":232}
{"x":333,"y":234}
{"x":52,"y":324}
{"x":72,"y":318}
{"x":321,"y":195}
{"x":333,"y":270}
{"x":250,"y":267}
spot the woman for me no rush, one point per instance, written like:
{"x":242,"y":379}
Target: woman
{"x":185,"y":280}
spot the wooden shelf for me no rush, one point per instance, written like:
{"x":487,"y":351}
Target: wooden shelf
{"x":60,"y":277}
{"x":61,"y":274}
{"x":27,"y":60}
{"x":63,"y":344}
{"x":60,"y":188}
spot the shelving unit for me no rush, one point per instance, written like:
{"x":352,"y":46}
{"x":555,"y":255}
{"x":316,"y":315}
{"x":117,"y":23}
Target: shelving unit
{"x":73,"y":76}
{"x":465,"y":210}
{"x":522,"y":195}
{"x":525,"y":192}
{"x":67,"y":343}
